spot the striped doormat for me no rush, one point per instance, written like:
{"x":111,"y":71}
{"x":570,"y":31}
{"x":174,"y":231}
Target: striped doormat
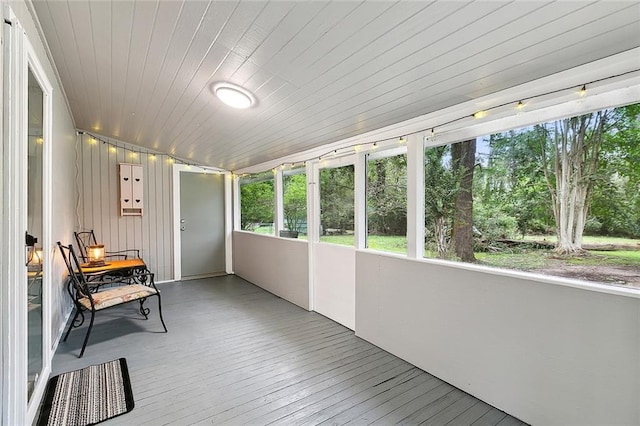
{"x":87,"y":396}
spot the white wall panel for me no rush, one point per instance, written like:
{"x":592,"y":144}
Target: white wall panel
{"x":334,"y":283}
{"x":278,"y":265}
{"x":99,"y":202}
{"x":546,"y":353}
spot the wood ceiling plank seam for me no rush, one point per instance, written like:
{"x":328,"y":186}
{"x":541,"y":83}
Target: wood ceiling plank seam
{"x":401,"y":23}
{"x":205,"y":101}
{"x":55,"y":45}
{"x":198,"y":54}
{"x":401,"y":113}
{"x":618,"y":18}
{"x":231,"y":53}
{"x":628,"y":29}
{"x":363,"y":81}
{"x":372,"y":21}
{"x":80,"y":16}
{"x":496,"y":58}
{"x":335,"y":114}
{"x":130,"y":54}
{"x":121,"y":24}
{"x":395,"y":87}
{"x":209,"y":51}
{"x":293,"y":107}
{"x":159,"y":42}
{"x":196,"y":133}
{"x":341,"y":32}
{"x":272,"y":15}
{"x":351,"y":46}
{"x":209,"y":100}
{"x":143,"y":43}
{"x":101,"y":24}
{"x":327,"y":19}
{"x":253,"y":22}
{"x":161,"y":67}
{"x":67,"y":52}
{"x":272,"y":114}
{"x":198,"y":102}
{"x":180,"y":63}
{"x":452,"y":31}
{"x":299,"y":19}
{"x":193,"y":76}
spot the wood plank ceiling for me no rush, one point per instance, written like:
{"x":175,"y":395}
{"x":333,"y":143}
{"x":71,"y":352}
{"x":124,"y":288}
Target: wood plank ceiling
{"x":141,"y":71}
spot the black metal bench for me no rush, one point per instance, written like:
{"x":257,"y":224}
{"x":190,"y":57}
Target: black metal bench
{"x":91,"y":296}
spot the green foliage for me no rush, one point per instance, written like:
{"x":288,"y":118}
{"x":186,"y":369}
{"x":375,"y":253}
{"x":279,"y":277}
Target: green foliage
{"x":615,"y":203}
{"x":337,"y":198}
{"x":256,"y":204}
{"x":387,"y":196}
{"x":295,"y":202}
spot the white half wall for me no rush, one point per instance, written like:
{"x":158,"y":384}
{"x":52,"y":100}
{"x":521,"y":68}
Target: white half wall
{"x":545,"y":353}
{"x":334,"y":288}
{"x":278,"y":265}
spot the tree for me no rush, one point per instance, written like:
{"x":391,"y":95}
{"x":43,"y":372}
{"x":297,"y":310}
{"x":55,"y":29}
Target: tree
{"x":463,"y":158}
{"x":512,"y":187}
{"x":295,"y":201}
{"x":570,"y":156}
{"x":440,"y":189}
{"x":337,"y":198}
{"x":256,"y":204}
{"x":615,"y":200}
{"x":387,"y":195}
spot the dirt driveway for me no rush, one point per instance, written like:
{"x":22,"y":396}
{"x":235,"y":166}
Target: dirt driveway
{"x":624,"y":276}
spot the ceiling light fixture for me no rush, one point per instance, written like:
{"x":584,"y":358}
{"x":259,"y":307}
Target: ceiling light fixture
{"x":233,"y":95}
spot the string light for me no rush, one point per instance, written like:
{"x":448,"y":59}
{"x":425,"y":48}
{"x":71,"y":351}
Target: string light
{"x":113,"y":148}
{"x":520,"y":106}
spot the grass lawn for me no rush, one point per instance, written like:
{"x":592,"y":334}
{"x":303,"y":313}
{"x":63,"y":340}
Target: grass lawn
{"x":527,"y":260}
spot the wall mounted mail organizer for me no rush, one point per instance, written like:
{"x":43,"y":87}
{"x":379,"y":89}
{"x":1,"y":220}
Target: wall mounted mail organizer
{"x":131,"y":189}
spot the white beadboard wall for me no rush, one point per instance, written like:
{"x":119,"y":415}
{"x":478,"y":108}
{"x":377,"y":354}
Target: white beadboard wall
{"x":98,"y":203}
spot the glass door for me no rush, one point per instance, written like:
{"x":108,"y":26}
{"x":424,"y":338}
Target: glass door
{"x":34,"y":235}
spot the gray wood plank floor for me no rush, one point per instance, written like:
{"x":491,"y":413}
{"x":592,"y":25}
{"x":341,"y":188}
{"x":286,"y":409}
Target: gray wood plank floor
{"x":236,"y":354}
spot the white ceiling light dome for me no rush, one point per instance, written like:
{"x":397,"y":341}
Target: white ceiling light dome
{"x":234,"y":95}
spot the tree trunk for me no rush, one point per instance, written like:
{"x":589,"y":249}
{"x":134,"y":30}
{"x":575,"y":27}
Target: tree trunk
{"x":463,"y":157}
{"x":441,"y":232}
{"x":575,"y":148}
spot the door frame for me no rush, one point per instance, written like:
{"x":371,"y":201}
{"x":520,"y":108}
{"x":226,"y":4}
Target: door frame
{"x":18,"y":56}
{"x":228,"y":216}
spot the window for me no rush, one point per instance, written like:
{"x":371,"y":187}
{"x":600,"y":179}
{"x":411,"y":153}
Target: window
{"x":294,"y":184}
{"x":257,"y":203}
{"x":387,"y":203}
{"x":336,"y":205}
{"x":560,"y":198}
